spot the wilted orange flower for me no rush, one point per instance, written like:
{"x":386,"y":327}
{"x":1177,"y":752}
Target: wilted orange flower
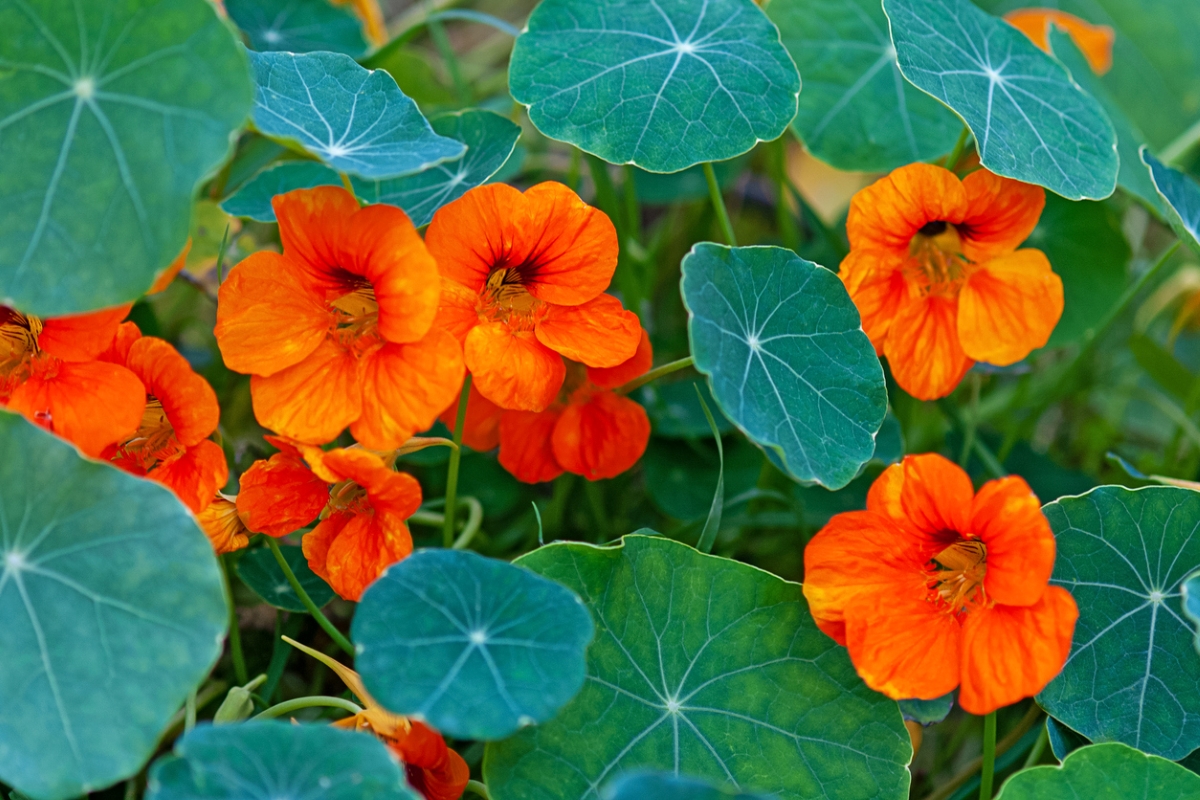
{"x":49,"y":373}
{"x":337,"y":330}
{"x":171,"y":445}
{"x":935,"y":273}
{"x":223,"y":525}
{"x":935,"y":586}
{"x":1094,"y":41}
{"x":523,"y":280}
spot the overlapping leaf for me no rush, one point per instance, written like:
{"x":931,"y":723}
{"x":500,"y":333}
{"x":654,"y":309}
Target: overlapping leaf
{"x":1182,"y":197}
{"x":856,"y":111}
{"x":668,"y":786}
{"x":662,"y":85}
{"x":113,"y":611}
{"x":1132,"y":675}
{"x":786,"y":357}
{"x":1191,"y":603}
{"x":703,"y":667}
{"x":1103,"y":771}
{"x":356,"y":120}
{"x":298,"y":26}
{"x":477,"y":647}
{"x":254,"y":199}
{"x":259,"y":570}
{"x":110,"y":114}
{"x":1029,"y":119}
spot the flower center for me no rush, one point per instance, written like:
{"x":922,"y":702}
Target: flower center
{"x":18,"y":339}
{"x":505,"y":299}
{"x":155,"y":438}
{"x":348,"y":497}
{"x":935,"y":260}
{"x":956,"y":575}
{"x":357,"y":315}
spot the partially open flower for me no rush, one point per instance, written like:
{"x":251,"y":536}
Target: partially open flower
{"x":223,"y":525}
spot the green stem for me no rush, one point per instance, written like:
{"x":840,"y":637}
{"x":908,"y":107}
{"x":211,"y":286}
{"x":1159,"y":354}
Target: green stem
{"x":289,"y":706}
{"x":972,"y":422}
{"x":189,"y":714}
{"x":347,"y":184}
{"x":1035,"y":752}
{"x":556,"y":510}
{"x":573,"y":169}
{"x":985,"y":454}
{"x":1183,"y":144}
{"x":989,"y":757}
{"x":321,"y":619}
{"x":655,"y":374}
{"x":595,"y":496}
{"x":633,"y":211}
{"x":474,"y":519}
{"x":280,"y":652}
{"x":235,"y":631}
{"x":714,"y":192}
{"x":789,"y":232}
{"x":440,"y":40}
{"x":959,"y":146}
{"x":479,"y":789}
{"x":452,"y":472}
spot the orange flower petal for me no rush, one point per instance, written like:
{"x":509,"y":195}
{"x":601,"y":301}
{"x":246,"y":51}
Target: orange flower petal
{"x":875,"y":281}
{"x":81,"y":337}
{"x":394,"y":496}
{"x":886,"y":214}
{"x":481,"y":426}
{"x":420,"y":746}
{"x":601,"y":437}
{"x":458,"y":309}
{"x":174,"y":268}
{"x":117,"y":351}
{"x":526,"y":450}
{"x":268,"y":316}
{"x":1012,"y":652}
{"x":923,"y":350}
{"x":312,"y":401}
{"x":188,"y":401}
{"x":634,"y":367}
{"x":1095,"y":41}
{"x":361,"y":551}
{"x":1008,"y":517}
{"x":404,"y":387}
{"x":223,"y":527}
{"x":316,"y":543}
{"x":313,"y":224}
{"x":1001,"y":213}
{"x":280,"y":495}
{"x":93,"y":404}
{"x":443,"y":782}
{"x":512,"y":368}
{"x":926,"y":493}
{"x":599,"y":333}
{"x":476,"y":233}
{"x":1009,"y":307}
{"x":196,"y":475}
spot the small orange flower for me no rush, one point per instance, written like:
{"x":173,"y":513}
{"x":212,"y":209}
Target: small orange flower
{"x":523,"y":280}
{"x":935,"y":586}
{"x":280,"y":495}
{"x":223,"y":525}
{"x":1094,"y":41}
{"x":49,"y":372}
{"x":935,"y":273}
{"x":337,"y":331}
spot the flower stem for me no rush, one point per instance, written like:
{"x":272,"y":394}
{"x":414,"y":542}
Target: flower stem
{"x":321,"y":619}
{"x":714,"y":191}
{"x":959,"y":146}
{"x":452,"y":472}
{"x":235,"y":631}
{"x":1038,"y":748}
{"x":189,"y":716}
{"x":989,"y":757}
{"x":474,"y":518}
{"x":288,"y":706}
{"x":479,"y":789}
{"x":655,"y":374}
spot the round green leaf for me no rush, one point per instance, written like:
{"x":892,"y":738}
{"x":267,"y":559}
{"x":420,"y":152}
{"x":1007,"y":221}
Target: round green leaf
{"x":298,"y":26}
{"x":259,"y":570}
{"x":254,"y":199}
{"x":113,"y":611}
{"x":279,"y":761}
{"x":1182,"y":196}
{"x":784,"y":350}
{"x":1105,"y":772}
{"x":857,"y":112}
{"x":707,"y":667}
{"x":1031,"y":122}
{"x":356,"y":120}
{"x":666,"y":786}
{"x":662,"y":85}
{"x":927,"y":712}
{"x":1132,"y":675}
{"x":110,"y":115}
{"x":490,"y":139}
{"x":478,"y":647}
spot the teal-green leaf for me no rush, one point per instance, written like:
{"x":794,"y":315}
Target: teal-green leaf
{"x":1132,"y":675}
{"x":1062,"y":739}
{"x":1105,"y":772}
{"x":354,"y":119}
{"x":706,"y":667}
{"x":110,"y":115}
{"x":661,"y":85}
{"x":259,"y":570}
{"x":254,"y":199}
{"x":1182,"y":197}
{"x":113,"y":611}
{"x":1191,"y":603}
{"x":668,"y":786}
{"x":489,"y":138}
{"x":475,"y":646}
{"x":298,"y":26}
{"x":1031,"y":122}
{"x":856,"y":111}
{"x":927,"y":712}
{"x":280,"y":761}
{"x":786,"y":357}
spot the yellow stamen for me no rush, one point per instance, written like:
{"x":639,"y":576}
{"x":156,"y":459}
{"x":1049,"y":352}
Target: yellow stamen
{"x":936,"y":262}
{"x":958,"y":572}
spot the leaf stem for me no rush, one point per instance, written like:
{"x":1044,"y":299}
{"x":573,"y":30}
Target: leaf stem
{"x":990,"y":462}
{"x":288,"y":706}
{"x":474,"y":519}
{"x":714,"y":192}
{"x":712,"y":524}
{"x":1183,"y":144}
{"x":441,"y":41}
{"x":1010,"y":739}
{"x":1039,"y":746}
{"x":595,"y":496}
{"x":989,"y":757}
{"x":235,"y":631}
{"x":346,"y":183}
{"x":959,"y":146}
{"x":479,"y":789}
{"x":789,"y":232}
{"x":452,"y":470}
{"x":189,"y":714}
{"x":321,"y":619}
{"x":655,"y":374}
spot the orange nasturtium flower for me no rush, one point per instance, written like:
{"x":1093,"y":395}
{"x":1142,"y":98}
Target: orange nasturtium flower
{"x":371,"y":15}
{"x":338,"y":330}
{"x":223,"y":525}
{"x":50,"y":373}
{"x":935,"y":586}
{"x":935,"y":273}
{"x":1094,"y":41}
{"x":523,"y":280}
{"x":432,"y":768}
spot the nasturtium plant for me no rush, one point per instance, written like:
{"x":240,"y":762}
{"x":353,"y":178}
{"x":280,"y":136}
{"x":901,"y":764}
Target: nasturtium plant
{"x":675,"y":410}
{"x":1030,"y":121}
{"x":276,"y":759}
{"x":703,"y":667}
{"x":786,"y":357}
{"x":662,"y":86}
{"x":927,"y":712}
{"x":1191,"y":603}
{"x":298,"y":26}
{"x":259,"y":570}
{"x":666,"y":786}
{"x":857,"y":112}
{"x":111,"y":114}
{"x":1132,"y":675}
{"x":1181,"y":195}
{"x":476,"y":647}
{"x":113,"y":612}
{"x":354,"y":119}
{"x":253,"y":200}
{"x":1103,"y":771}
